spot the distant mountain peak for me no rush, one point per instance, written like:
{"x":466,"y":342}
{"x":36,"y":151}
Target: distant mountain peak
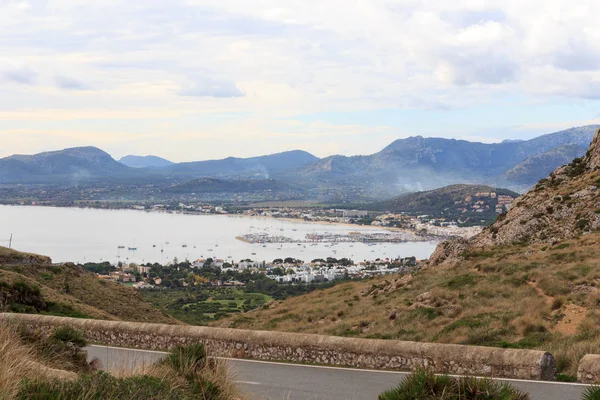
{"x":145,"y":161}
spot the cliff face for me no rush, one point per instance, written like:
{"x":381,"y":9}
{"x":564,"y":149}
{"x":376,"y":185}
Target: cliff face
{"x":563,"y":206}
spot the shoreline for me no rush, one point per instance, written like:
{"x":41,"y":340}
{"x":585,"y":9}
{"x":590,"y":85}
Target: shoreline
{"x":286,"y":219}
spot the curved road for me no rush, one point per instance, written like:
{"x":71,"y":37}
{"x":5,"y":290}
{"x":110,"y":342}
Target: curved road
{"x":276,"y":381}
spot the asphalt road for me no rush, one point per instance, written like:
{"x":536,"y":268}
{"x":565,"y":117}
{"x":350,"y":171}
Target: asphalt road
{"x":275,"y":381}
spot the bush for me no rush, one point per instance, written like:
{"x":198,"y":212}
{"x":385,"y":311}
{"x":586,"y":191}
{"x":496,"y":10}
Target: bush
{"x":591,"y":393}
{"x":66,"y":334}
{"x":187,"y":359}
{"x":582,"y":224}
{"x":424,"y":384}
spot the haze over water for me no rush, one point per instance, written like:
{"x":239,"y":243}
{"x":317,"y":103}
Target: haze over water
{"x":89,"y":235}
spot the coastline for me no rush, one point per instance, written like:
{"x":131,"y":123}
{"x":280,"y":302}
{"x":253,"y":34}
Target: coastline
{"x":286,"y":219}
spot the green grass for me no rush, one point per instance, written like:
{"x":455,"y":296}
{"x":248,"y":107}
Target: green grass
{"x":201,"y":306}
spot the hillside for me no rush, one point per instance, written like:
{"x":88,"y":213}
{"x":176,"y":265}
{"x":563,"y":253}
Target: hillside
{"x":541,"y":165}
{"x":145,"y":161}
{"x":68,"y":290}
{"x":527,"y":281}
{"x":455,"y":202}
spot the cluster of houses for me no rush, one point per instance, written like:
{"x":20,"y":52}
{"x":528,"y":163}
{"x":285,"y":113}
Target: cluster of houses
{"x":317,"y":271}
{"x":281,"y":272}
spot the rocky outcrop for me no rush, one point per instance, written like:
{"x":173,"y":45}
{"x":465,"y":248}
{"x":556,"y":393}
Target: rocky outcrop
{"x":450,"y":250}
{"x":563,"y":206}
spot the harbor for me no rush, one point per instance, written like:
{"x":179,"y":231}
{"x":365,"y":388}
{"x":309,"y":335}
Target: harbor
{"x":350,"y":237}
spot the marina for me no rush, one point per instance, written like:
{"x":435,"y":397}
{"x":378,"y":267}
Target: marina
{"x":351,"y":237}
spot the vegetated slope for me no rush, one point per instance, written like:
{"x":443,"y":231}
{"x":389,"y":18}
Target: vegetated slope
{"x":71,"y":290}
{"x":530,"y":281}
{"x":213,"y":185}
{"x":540,"y":165}
{"x":145,"y":161}
{"x":462,"y":202}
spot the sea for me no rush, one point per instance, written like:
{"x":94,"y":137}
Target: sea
{"x":91,"y":235}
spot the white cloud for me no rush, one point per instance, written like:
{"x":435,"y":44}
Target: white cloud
{"x":183,"y":60}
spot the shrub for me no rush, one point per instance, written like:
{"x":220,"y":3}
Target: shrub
{"x":424,"y":384}
{"x":66,"y":334}
{"x":460,"y":280}
{"x":591,"y":393}
{"x":582,"y":224}
{"x":187,"y":359}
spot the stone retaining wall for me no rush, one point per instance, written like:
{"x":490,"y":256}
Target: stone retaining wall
{"x":305,"y":348}
{"x":589,"y":369}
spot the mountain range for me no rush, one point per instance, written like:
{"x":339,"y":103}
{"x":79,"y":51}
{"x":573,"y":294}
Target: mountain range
{"x":419,"y":163}
{"x":406,"y":165}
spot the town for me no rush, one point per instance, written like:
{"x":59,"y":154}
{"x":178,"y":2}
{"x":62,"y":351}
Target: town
{"x":218,"y":272}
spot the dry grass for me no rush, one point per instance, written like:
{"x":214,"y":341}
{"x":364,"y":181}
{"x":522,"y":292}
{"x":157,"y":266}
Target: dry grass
{"x":10,"y":256}
{"x":83,"y":291}
{"x":24,"y":373}
{"x":503,"y":296}
{"x":19,"y":362}
{"x":216,"y":372}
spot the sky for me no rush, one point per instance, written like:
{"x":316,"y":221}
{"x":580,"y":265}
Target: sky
{"x":203,"y":79}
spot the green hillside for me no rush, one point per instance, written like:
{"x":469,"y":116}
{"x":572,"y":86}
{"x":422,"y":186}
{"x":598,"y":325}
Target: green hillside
{"x":32,"y":284}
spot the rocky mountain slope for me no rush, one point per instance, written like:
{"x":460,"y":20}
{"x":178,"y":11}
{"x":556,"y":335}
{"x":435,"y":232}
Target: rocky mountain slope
{"x":31,"y":283}
{"x":540,"y":165}
{"x":563,"y":206}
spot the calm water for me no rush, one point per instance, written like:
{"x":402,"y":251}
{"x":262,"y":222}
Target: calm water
{"x":79,"y":235}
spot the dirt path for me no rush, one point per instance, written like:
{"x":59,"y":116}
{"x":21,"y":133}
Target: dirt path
{"x":572,"y":315}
